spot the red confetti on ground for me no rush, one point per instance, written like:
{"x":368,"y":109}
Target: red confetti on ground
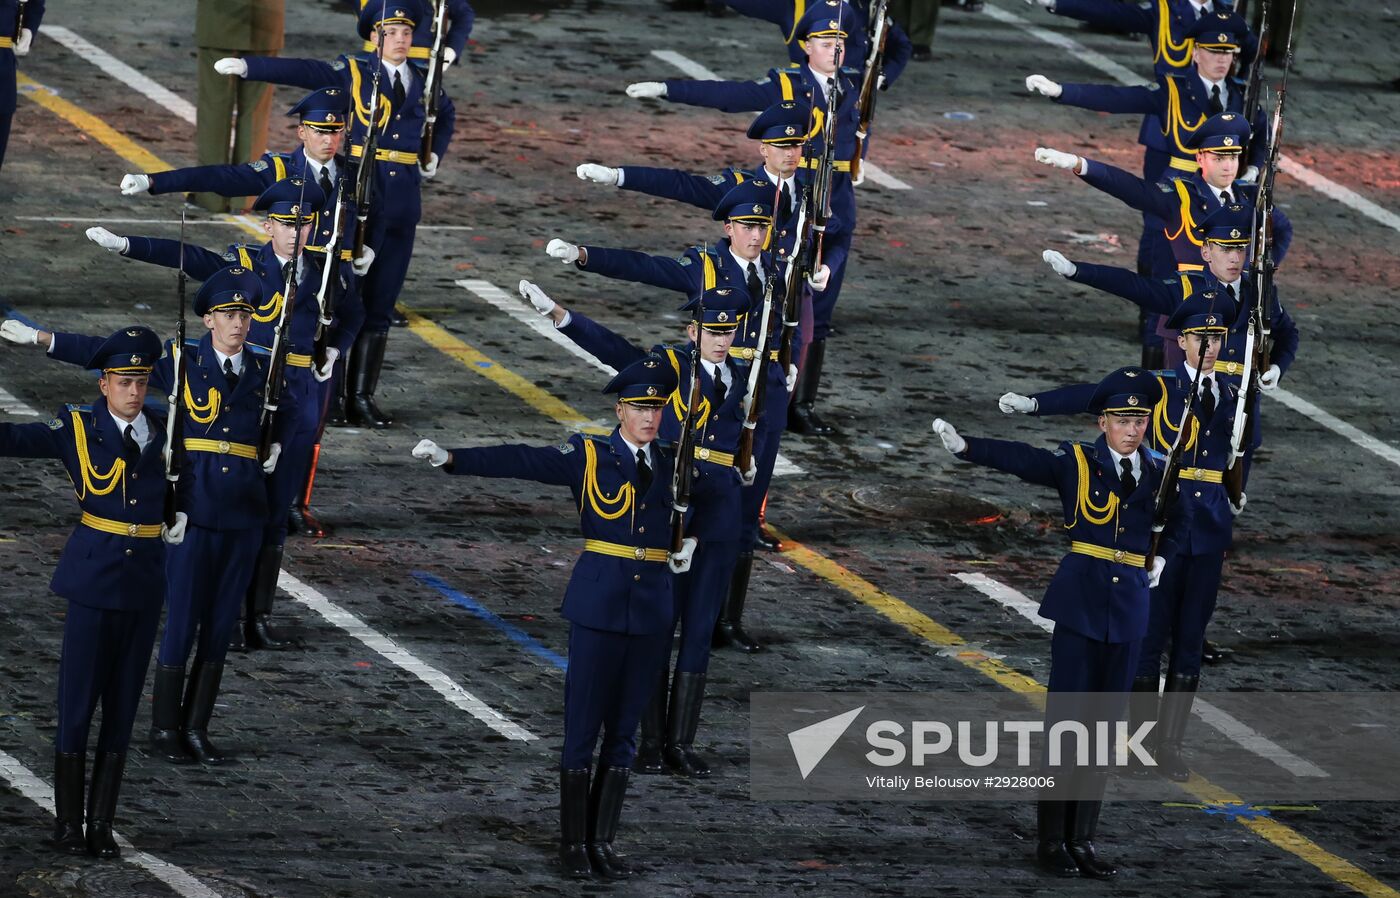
{"x":464,"y":266}
{"x":897,"y":244}
{"x":479,"y":239}
{"x":363,"y":664}
{"x":817,"y":865}
{"x":989,"y":519}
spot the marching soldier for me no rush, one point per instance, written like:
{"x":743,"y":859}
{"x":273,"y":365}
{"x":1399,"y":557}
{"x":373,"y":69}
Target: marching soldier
{"x":111,"y":572}
{"x":460,"y":18}
{"x":16,"y":37}
{"x":668,"y":736}
{"x":824,"y":31}
{"x":1098,"y":598}
{"x":398,"y":174}
{"x":619,"y":602}
{"x":291,"y":206}
{"x":785,"y":14}
{"x":222,"y":492}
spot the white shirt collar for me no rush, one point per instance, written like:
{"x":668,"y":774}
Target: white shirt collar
{"x":1218,"y":191}
{"x":633,"y":447}
{"x":317,"y":167}
{"x":745,"y":263}
{"x":717,"y":371}
{"x":404,"y":74}
{"x":790,"y":183}
{"x":1202,"y":7}
{"x":1207,"y":377}
{"x":236,"y":357}
{"x":1224,"y":88}
{"x":1132,"y":459}
{"x":822,"y":80}
{"x":140,"y":430}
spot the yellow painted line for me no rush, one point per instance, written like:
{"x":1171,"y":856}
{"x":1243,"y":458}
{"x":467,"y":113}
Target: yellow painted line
{"x":105,"y":134}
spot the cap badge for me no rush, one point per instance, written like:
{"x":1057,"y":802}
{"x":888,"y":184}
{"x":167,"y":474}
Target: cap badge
{"x":295,"y":210}
{"x":1229,"y":141}
{"x":651,"y":391}
{"x":133,"y":333}
{"x":136,"y":360}
{"x":1130,"y":374}
{"x":789,"y":130}
{"x":723,"y":317}
{"x":1132,"y":400}
{"x":1223,"y":38}
{"x":238,"y":297}
{"x":834,"y":25}
{"x":330,"y":116}
{"x":757,"y":209}
{"x":649,"y":363}
{"x":1210,"y":320}
{"x":1227,"y":117}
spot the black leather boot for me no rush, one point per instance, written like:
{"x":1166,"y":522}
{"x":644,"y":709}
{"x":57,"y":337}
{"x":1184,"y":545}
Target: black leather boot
{"x":68,"y":770}
{"x":1177,"y":699}
{"x":335,"y":410}
{"x":687,"y":695}
{"x":729,"y":628}
{"x":605,"y":806}
{"x":257,"y":617}
{"x":1051,"y":855}
{"x":365,"y":361}
{"x":802,"y":414}
{"x":165,"y":715}
{"x":648,"y":760}
{"x":107,"y":769}
{"x":300,"y":520}
{"x":1084,"y":823}
{"x":1142,"y":707}
{"x":766,"y":540}
{"x":199,"y":707}
{"x":397,"y":318}
{"x":573,"y":824}
{"x":1212,"y":653}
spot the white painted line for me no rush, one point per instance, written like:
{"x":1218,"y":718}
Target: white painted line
{"x":1326,"y":419}
{"x":1347,"y":197}
{"x":241,"y":221}
{"x":26,"y":783}
{"x":400,"y":657}
{"x":1231,"y":728}
{"x":11,"y":404}
{"x":121,"y":71}
{"x":695,"y":70}
{"x":516,"y":308}
{"x":1071,"y":46}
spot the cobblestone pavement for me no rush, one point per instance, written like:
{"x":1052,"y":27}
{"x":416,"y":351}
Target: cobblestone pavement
{"x":360,"y":780}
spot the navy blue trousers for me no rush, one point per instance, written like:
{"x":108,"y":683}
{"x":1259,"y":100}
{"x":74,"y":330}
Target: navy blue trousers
{"x":105,"y":657}
{"x":380,"y":288}
{"x":765,"y":456}
{"x":206,"y":578}
{"x":298,"y":438}
{"x":609,"y":681}
{"x":5,"y":118}
{"x":699,"y":597}
{"x":1081,"y":664}
{"x":1182,"y":605}
{"x":824,"y":302}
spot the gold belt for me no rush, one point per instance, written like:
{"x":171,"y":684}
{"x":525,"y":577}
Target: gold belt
{"x":1183,"y":164}
{"x":1107,"y":554}
{"x":1205,"y":475}
{"x":1236,"y":368}
{"x":413,"y":52}
{"x":714,"y":456}
{"x":121,"y":528}
{"x":837,"y":164}
{"x":399,"y":156}
{"x":6,"y":43}
{"x":747,"y":353}
{"x":297,"y":360}
{"x":617,"y":550}
{"x":221,"y":447}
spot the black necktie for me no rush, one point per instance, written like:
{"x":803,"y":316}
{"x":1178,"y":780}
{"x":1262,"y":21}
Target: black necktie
{"x":1230,"y":289}
{"x":643,"y":471}
{"x":1226,"y":198}
{"x":1127,"y":478}
{"x":230,"y":375}
{"x":720,"y":389}
{"x":784,"y":204}
{"x":754,"y":284}
{"x":325,"y":183}
{"x":286,"y":271}
{"x":1207,"y":400}
{"x":398,"y":90}
{"x":131,"y":450}
{"x":1216,"y":107}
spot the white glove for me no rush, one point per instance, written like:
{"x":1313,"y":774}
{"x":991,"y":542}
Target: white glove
{"x":231,"y":65}
{"x":1057,"y":158}
{"x":679,"y":562}
{"x":1154,"y":576}
{"x":537,"y":297}
{"x":26,"y":38}
{"x":274,"y":452}
{"x":107,"y":240}
{"x":820,"y":278}
{"x":598,"y":174}
{"x":1269,"y":379}
{"x":1236,"y":509}
{"x":881,"y":82}
{"x":749,"y":476}
{"x":1251,"y":174}
{"x":859,"y":179}
{"x":429,"y":171}
{"x":564,"y":252}
{"x":1063,"y":267}
{"x":791,"y":382}
{"x":1039,"y":84}
{"x":431,"y":452}
{"x":19,"y":332}
{"x":134,"y":184}
{"x":324,"y":372}
{"x":951,"y":441}
{"x":449,"y":56}
{"x":361,"y":263}
{"x":1043,"y":4}
{"x":646,"y":90}
{"x":1016,"y":404}
{"x":173,"y":536}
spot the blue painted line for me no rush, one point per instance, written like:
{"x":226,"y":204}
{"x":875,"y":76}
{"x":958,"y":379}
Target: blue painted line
{"x":516,"y":635}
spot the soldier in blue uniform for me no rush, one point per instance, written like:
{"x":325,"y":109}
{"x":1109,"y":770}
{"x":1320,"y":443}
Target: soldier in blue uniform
{"x":1098,"y":598}
{"x":290,"y":206}
{"x":221,"y":490}
{"x":111,"y":572}
{"x":460,"y":18}
{"x":824,"y":36}
{"x":668,"y":736}
{"x":786,"y":14}
{"x":619,"y":602}
{"x":1184,"y":600}
{"x":16,"y":37}
{"x":398,"y":177}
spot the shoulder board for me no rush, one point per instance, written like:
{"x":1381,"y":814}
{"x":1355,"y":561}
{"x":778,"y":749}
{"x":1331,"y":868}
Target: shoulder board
{"x":1166,"y":186}
{"x":258,"y":165}
{"x":686,"y":260}
{"x":1154,"y":86}
{"x":258,"y":350}
{"x":1171,"y":281}
{"x":77,"y":408}
{"x":190,"y":342}
{"x":1165,"y":373}
{"x":717,"y":179}
{"x":230,"y":256}
{"x":339,"y":64}
{"x":565,"y":448}
{"x":847,"y":70}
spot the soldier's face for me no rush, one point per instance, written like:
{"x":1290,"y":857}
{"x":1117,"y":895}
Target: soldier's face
{"x":320,"y":145}
{"x":284,"y":236}
{"x":639,"y":423}
{"x":1219,"y":170}
{"x":398,"y":40}
{"x":746,"y":238}
{"x":1226,"y":262}
{"x":1123,"y":433}
{"x":781,"y":161}
{"x":714,"y":345}
{"x":1191,"y":345}
{"x":230,"y":329}
{"x":125,"y":393}
{"x":1214,"y":65}
{"x":824,"y":54}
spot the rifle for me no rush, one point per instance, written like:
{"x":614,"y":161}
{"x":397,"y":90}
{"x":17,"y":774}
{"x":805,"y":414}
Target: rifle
{"x":281,"y":342}
{"x":325,"y":296}
{"x":19,"y":19}
{"x":1256,"y":346}
{"x":879,"y":32}
{"x":757,"y":387}
{"x":1254,"y":80}
{"x":433,"y":91}
{"x":683,"y":475}
{"x":798,"y":267}
{"x":175,"y":422}
{"x":364,"y":178}
{"x":1166,"y":490}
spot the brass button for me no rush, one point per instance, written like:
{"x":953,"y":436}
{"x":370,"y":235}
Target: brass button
{"x":225,"y":430}
{"x":641,"y":530}
{"x":134,"y":475}
{"x":1198,"y":494}
{"x":712,"y":439}
{"x":396,"y":137}
{"x":129,"y":552}
{"x":393,"y":172}
{"x":1115,"y":579}
{"x":644,"y":506}
{"x":636,"y":576}
{"x":1205,"y":452}
{"x":225,"y":470}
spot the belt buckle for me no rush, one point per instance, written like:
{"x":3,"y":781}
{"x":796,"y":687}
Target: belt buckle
{"x":704,"y":454}
{"x":224,"y":447}
{"x":1118,"y":555}
{"x":1199,"y":473}
{"x":640,"y":553}
{"x":132,"y":528}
